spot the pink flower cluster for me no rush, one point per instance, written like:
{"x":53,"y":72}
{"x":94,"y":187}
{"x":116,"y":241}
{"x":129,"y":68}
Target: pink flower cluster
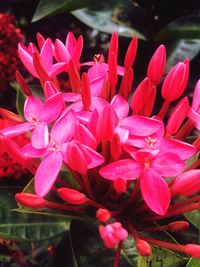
{"x":128,"y":163}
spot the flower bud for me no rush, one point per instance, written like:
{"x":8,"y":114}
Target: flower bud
{"x":193,"y":250}
{"x":103,"y":215}
{"x":72,"y":196}
{"x":187,"y":183}
{"x":178,"y":226}
{"x":120,"y":185}
{"x":22,"y":83}
{"x":30,"y":200}
{"x":157,"y":65}
{"x":143,"y":248}
{"x":131,"y":53}
{"x":175,"y":81}
{"x":177,"y":116}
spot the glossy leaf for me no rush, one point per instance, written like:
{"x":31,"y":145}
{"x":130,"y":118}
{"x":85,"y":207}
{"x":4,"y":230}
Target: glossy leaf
{"x":26,"y":227}
{"x":193,"y":263}
{"x":101,"y":19}
{"x":89,"y":250}
{"x":48,"y":7}
{"x":20,"y":99}
{"x":185,"y":27}
{"x":161,"y":257}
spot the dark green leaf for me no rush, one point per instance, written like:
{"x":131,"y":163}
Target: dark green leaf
{"x":182,"y":28}
{"x":101,"y":18}
{"x":161,"y":257}
{"x":20,"y":99}
{"x":129,"y":251}
{"x":193,"y":263}
{"x":89,"y":250}
{"x":47,"y":7}
{"x":27,"y":227}
{"x":193,"y":217}
{"x":181,"y":50}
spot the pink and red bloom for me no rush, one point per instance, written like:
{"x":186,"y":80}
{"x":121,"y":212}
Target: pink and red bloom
{"x":126,"y":162}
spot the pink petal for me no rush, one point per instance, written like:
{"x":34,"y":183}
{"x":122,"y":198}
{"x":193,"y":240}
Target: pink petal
{"x":142,"y":126}
{"x":196,"y":97}
{"x":97,"y":75}
{"x":71,"y":97}
{"x":184,"y":150}
{"x":52,"y":108}
{"x":84,"y":136}
{"x":32,"y":108}
{"x":155,"y":191}
{"x":61,"y":52}
{"x":47,"y":54}
{"x":63,"y":129}
{"x":78,"y":49}
{"x":47,"y":173}
{"x":40,"y":136}
{"x":187,"y":183}
{"x":120,"y":106}
{"x":70,"y":43}
{"x":27,"y":59}
{"x":126,"y":168}
{"x":95,"y":158}
{"x":17,"y":129}
{"x":57,"y":69}
{"x":30,"y":152}
{"x":195,"y":117}
{"x":168,"y":164}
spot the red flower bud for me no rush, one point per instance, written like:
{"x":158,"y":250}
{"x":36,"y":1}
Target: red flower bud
{"x":103,"y":215}
{"x":85,"y":92}
{"x":187,"y":183}
{"x":178,"y":226}
{"x":143,"y":248}
{"x":22,"y":83}
{"x":193,"y":250}
{"x":177,"y":116}
{"x":30,"y":200}
{"x":120,"y":185}
{"x":72,"y":196}
{"x":131,"y":53}
{"x":157,"y":65}
{"x":175,"y":81}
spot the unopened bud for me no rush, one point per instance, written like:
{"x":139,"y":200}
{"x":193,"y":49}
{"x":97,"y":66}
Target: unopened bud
{"x":193,"y":250}
{"x":103,"y":215}
{"x":178,"y":226}
{"x":120,"y":185}
{"x":144,"y":249}
{"x":72,"y":196}
{"x":30,"y":200}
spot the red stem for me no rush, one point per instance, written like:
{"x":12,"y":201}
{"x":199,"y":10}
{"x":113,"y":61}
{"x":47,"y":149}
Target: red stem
{"x":117,"y":256}
{"x":185,"y":130}
{"x":164,"y":109}
{"x":88,"y":186}
{"x":53,"y":205}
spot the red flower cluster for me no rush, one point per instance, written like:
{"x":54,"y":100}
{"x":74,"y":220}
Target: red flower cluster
{"x":9,"y":167}
{"x":9,"y":38}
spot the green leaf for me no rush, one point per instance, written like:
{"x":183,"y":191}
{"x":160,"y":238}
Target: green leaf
{"x":182,"y":49}
{"x":20,"y":99}
{"x":182,"y":28}
{"x":26,"y":227}
{"x":101,"y":19}
{"x":129,"y":251}
{"x":48,"y":7}
{"x":161,"y":257}
{"x":89,"y":250}
{"x":193,"y":217}
{"x":193,"y":263}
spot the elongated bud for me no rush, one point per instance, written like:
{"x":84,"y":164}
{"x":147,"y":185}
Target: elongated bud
{"x":156,"y":65}
{"x":6,"y":114}
{"x":72,"y":196}
{"x":115,"y":147}
{"x":113,"y":47}
{"x":143,"y":248}
{"x":40,"y":40}
{"x":22,"y":83}
{"x":187,"y":183}
{"x":177,"y":116}
{"x":193,"y":250}
{"x":103,"y":215}
{"x":126,"y":84}
{"x":30,"y":200}
{"x":74,"y":77}
{"x":40,"y":68}
{"x":175,"y":81}
{"x":196,"y":97}
{"x":143,"y":98}
{"x":112,"y":63}
{"x":120,"y":185}
{"x":131,"y":53}
{"x":85,"y":92}
{"x":178,"y":226}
